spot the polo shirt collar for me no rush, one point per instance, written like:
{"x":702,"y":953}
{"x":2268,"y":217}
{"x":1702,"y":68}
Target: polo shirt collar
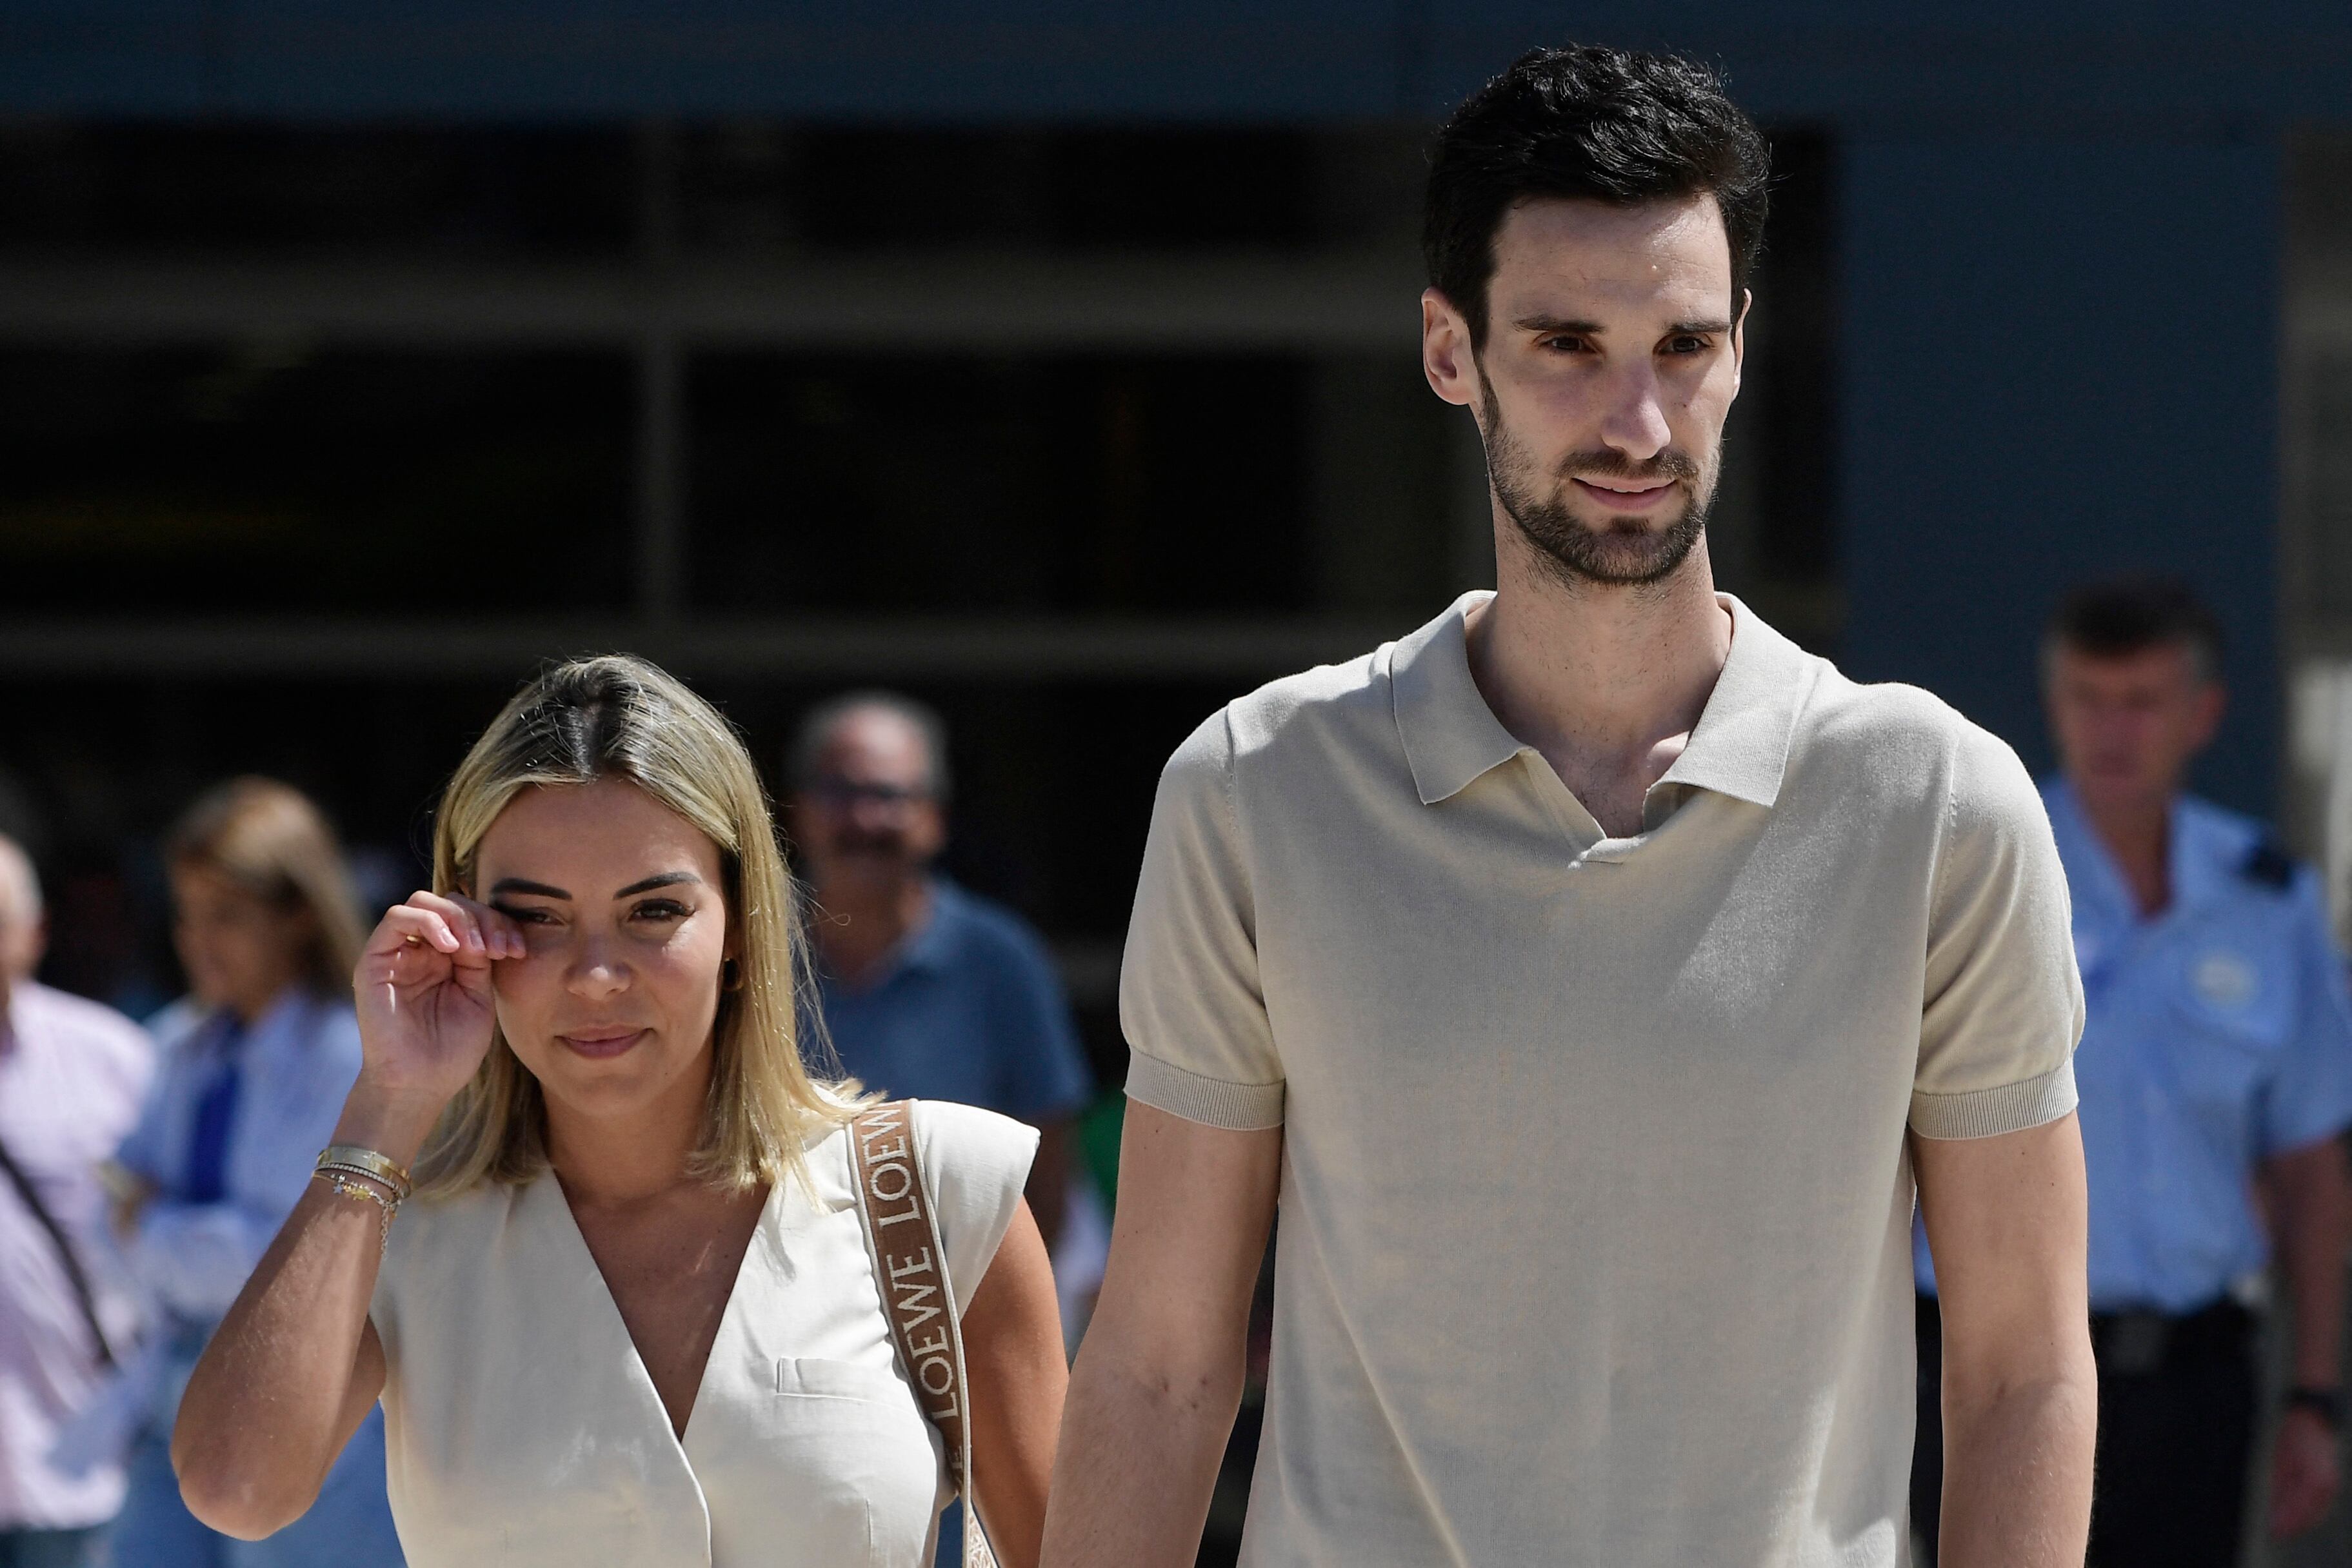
{"x":1451,"y":737}
{"x":1739,"y":748}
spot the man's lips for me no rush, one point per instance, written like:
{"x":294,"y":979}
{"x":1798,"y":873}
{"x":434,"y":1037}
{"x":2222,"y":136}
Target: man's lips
{"x":602,"y":1042}
{"x":1626,"y":500}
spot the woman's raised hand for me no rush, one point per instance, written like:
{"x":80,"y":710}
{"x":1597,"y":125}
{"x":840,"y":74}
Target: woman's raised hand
{"x":424,"y":991}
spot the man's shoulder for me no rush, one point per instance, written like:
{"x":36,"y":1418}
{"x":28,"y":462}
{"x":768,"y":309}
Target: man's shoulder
{"x":984,"y":931}
{"x":1311,"y":701}
{"x":2242,"y":847}
{"x":94,"y":1027}
{"x":1896,"y":732}
{"x":1305,"y":723}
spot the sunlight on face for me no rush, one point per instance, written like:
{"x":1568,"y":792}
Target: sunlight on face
{"x":1612,"y":358}
{"x":2127,"y":727}
{"x":622,"y":904}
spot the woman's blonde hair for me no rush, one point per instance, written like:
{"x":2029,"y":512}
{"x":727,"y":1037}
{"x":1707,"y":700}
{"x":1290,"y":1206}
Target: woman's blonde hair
{"x":616,"y":717}
{"x":270,"y":839}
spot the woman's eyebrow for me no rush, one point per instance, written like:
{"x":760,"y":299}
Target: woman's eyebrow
{"x":665,"y":879}
{"x":506,"y":884}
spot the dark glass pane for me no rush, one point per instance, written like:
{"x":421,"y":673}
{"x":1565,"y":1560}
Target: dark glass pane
{"x":246,"y":188}
{"x":1175,"y":188}
{"x":1796,"y":279}
{"x":195,"y":481}
{"x":752,"y":183}
{"x":1086,"y":484}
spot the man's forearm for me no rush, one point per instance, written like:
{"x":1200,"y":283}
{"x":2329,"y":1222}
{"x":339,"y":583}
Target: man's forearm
{"x":2312,"y":1212}
{"x":1137,"y":1464}
{"x":2315,"y":1284}
{"x":2017,"y":1475}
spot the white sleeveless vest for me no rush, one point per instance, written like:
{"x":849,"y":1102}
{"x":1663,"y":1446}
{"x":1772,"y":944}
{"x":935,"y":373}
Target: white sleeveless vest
{"x":520,"y":1426}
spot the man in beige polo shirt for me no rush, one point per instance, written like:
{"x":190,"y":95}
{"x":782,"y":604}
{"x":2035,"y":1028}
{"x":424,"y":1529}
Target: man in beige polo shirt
{"x":1587,"y":977}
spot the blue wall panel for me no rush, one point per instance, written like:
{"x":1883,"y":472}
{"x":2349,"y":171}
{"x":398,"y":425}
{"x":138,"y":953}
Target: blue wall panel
{"x":1935,"y":62}
{"x":2057,"y":359}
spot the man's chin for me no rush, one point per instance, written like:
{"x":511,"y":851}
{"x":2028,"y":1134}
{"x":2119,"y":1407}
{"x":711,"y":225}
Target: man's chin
{"x":1625,"y":558}
{"x":871,"y":868}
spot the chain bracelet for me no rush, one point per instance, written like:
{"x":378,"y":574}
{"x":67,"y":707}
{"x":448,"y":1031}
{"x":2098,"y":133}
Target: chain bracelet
{"x":361,"y":1189}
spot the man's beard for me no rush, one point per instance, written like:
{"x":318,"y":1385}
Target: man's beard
{"x":1630,"y":555}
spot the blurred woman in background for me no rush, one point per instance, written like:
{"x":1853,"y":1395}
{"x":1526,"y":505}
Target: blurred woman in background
{"x":257,"y":1064}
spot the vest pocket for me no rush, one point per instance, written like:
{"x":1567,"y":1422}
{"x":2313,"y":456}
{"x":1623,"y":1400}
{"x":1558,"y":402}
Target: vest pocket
{"x":813,"y":1377}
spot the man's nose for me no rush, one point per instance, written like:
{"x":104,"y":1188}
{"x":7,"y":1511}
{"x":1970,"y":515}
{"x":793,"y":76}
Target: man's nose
{"x":1635,"y":424}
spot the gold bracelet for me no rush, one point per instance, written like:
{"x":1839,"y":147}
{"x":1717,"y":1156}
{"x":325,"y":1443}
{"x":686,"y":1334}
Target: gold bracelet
{"x":367,"y":1162}
{"x":360,"y":1190}
{"x":336,"y":1168}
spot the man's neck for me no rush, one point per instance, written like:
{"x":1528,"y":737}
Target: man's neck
{"x":1605,"y":682}
{"x":860,"y":922}
{"x":2137,"y":833}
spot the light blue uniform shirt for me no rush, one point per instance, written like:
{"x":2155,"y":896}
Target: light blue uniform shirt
{"x":297,"y":1062}
{"x":2219,"y":1034}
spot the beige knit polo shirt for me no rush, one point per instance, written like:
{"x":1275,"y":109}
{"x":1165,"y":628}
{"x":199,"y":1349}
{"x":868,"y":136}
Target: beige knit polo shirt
{"x":1596,"y":1201}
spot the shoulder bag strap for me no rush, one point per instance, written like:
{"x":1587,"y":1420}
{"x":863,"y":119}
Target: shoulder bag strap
{"x":911,"y":1271}
{"x":67,"y":1256}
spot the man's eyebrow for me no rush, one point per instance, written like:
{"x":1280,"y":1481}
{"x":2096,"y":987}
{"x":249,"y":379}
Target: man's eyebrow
{"x":506,"y":885}
{"x":1559,"y":324}
{"x":1711,"y":329}
{"x":665,"y":879}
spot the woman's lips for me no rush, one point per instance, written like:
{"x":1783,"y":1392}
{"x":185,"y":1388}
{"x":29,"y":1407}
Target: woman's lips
{"x":602,"y":1042}
{"x":1626,"y":500}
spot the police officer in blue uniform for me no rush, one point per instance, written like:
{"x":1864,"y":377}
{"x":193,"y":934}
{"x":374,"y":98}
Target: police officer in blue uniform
{"x":2216,"y":1080}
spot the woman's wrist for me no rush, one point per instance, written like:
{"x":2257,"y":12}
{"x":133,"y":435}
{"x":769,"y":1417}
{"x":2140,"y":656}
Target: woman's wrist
{"x":395,"y":1122}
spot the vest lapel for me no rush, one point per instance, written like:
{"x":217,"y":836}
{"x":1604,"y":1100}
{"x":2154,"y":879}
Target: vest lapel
{"x":622,"y":1429}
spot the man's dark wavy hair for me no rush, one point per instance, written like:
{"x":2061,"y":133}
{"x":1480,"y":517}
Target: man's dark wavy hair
{"x":1599,"y":124}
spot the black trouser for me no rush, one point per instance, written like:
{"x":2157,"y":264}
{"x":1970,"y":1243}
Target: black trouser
{"x":2176,"y":1428}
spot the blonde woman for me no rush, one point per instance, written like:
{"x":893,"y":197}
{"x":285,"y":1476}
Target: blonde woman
{"x":628,"y":1316}
{"x":256,"y":1062}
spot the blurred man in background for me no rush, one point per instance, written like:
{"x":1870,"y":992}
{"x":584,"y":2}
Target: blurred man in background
{"x":929,"y":990}
{"x":2216,"y":1078}
{"x":72,"y":1077}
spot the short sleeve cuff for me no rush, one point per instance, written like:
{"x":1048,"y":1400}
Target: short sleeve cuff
{"x":1989,"y":1112}
{"x":1212,"y":1101}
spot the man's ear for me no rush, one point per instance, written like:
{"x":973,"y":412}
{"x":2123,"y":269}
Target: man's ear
{"x":2212,"y":702}
{"x":1448,"y":357}
{"x":1740,"y":336}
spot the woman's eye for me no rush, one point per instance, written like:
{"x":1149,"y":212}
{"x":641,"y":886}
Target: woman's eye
{"x":524,"y":916}
{"x":661,"y":909}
